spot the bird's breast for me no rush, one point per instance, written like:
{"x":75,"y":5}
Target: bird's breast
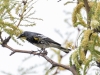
{"x":39,"y":44}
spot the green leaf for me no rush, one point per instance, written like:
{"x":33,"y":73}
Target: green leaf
{"x":87,"y":65}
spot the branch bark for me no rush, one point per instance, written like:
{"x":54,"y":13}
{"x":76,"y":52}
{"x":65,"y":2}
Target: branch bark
{"x":88,"y":11}
{"x":44,"y":55}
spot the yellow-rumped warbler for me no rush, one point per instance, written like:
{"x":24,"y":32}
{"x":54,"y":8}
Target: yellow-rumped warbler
{"x":41,"y":41}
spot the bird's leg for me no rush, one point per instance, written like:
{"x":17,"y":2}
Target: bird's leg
{"x":44,"y":51}
{"x":40,"y":50}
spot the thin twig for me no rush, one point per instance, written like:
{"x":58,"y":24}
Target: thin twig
{"x":21,"y":15}
{"x":1,"y":37}
{"x":88,"y":11}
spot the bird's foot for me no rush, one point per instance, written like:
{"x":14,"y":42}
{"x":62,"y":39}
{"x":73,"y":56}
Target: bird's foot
{"x":40,"y":51}
{"x":43,"y":51}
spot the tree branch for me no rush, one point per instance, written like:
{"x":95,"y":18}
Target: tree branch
{"x":1,"y":37}
{"x":44,"y":55}
{"x":5,"y":41}
{"x":88,"y":11}
{"x":21,"y":15}
{"x":88,"y":17}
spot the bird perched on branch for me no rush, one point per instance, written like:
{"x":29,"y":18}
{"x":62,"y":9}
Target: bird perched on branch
{"x":41,"y":41}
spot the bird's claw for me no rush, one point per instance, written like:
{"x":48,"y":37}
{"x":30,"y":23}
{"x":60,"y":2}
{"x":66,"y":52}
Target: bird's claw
{"x":42,"y":51}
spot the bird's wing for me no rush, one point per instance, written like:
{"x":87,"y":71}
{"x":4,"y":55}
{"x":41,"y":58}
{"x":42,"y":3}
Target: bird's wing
{"x":52,"y":41}
{"x":42,"y":37}
{"x":35,"y":36}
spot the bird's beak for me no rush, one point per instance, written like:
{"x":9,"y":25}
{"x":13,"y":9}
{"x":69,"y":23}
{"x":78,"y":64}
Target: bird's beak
{"x":19,"y":37}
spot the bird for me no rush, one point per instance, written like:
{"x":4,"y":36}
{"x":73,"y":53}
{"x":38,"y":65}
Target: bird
{"x":42,"y":41}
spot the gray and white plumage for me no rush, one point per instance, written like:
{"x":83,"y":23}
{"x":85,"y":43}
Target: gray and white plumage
{"x":41,"y":41}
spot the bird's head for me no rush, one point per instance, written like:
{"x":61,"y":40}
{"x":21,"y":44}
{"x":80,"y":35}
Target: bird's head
{"x":24,"y":35}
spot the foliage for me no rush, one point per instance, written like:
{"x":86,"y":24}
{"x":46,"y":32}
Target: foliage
{"x":90,"y":36}
{"x":22,"y":16}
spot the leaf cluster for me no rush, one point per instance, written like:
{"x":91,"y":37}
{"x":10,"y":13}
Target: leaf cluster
{"x":90,"y":41}
{"x":14,"y":14}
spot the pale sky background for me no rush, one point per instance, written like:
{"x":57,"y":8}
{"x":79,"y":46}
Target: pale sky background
{"x":52,"y":13}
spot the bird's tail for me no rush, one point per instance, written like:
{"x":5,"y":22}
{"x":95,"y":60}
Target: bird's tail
{"x":65,"y":49}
